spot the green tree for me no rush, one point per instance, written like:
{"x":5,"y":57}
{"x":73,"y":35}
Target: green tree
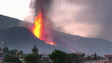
{"x":5,"y":49}
{"x":95,"y":56}
{"x":35,"y":50}
{"x":21,"y":52}
{"x":40,"y":56}
{"x":58,"y":56}
{"x":99,"y":57}
{"x":32,"y":58}
{"x":68,"y":58}
{"x":12,"y":52}
{"x":82,"y":55}
{"x":75,"y":57}
{"x":89,"y":58}
{"x":12,"y":59}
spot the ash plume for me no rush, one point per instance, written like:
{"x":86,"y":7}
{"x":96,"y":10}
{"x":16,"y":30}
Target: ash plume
{"x":40,"y":5}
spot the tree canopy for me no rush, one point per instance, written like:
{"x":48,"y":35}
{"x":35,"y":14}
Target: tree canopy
{"x":5,"y":49}
{"x":58,"y":56}
{"x":21,"y":52}
{"x":12,"y":59}
{"x":31,"y":58}
{"x":35,"y":50}
{"x":95,"y":56}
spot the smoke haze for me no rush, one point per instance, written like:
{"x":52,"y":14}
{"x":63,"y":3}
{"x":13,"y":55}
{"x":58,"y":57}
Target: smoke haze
{"x":88,"y":18}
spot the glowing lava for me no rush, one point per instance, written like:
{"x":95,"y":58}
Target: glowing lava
{"x":70,"y":49}
{"x":38,"y":30}
{"x":38,"y":26}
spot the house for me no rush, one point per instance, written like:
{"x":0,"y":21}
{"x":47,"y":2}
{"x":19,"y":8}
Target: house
{"x":108,"y":58}
{"x":1,"y":59}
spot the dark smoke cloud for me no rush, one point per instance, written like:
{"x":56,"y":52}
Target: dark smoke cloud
{"x":41,"y":5}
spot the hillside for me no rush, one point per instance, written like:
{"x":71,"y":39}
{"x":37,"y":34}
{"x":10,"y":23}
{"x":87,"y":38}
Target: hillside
{"x":6,"y":22}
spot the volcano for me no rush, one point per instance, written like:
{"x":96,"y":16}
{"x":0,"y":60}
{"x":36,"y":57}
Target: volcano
{"x":23,"y":39}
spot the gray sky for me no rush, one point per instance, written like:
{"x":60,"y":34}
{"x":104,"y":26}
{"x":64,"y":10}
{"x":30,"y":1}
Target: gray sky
{"x":87,"y":18}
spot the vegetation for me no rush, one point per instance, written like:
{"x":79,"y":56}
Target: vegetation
{"x":35,"y":50}
{"x":89,"y":58}
{"x":34,"y":57}
{"x":12,"y":59}
{"x":21,"y":52}
{"x":58,"y":56}
{"x":95,"y":57}
{"x":31,"y":58}
{"x":5,"y":49}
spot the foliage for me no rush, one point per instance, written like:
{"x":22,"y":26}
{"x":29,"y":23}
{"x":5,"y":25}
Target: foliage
{"x":68,"y":58}
{"x":21,"y":52}
{"x":12,"y":59}
{"x":82,"y":55}
{"x":31,"y":58}
{"x":58,"y":56}
{"x":35,"y":50}
{"x":95,"y":57}
{"x":40,"y":56}
{"x":5,"y":49}
{"x":75,"y":56}
{"x":89,"y":58}
{"x":99,"y":57}
{"x":13,"y":52}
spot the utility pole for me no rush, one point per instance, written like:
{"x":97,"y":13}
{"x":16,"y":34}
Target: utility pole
{"x":44,"y":57}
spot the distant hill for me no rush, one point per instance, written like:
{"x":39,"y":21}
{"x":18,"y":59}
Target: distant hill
{"x":22,"y":39}
{"x":6,"y":22}
{"x":100,"y":46}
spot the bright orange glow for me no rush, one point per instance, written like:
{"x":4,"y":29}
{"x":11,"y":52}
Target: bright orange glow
{"x":70,"y":49}
{"x":38,"y":26}
{"x":51,"y":43}
{"x":39,"y":32}
{"x":38,"y":29}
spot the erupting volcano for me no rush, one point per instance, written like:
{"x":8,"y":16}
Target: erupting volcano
{"x":39,"y":32}
{"x":39,"y":29}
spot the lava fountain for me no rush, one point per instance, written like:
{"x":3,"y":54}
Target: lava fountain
{"x":39,"y":32}
{"x":39,"y":29}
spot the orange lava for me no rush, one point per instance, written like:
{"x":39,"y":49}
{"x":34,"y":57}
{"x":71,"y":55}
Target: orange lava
{"x":70,"y":49}
{"x":39,"y":32}
{"x":38,"y":26}
{"x":38,"y":29}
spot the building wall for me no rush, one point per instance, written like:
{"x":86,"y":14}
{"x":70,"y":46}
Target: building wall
{"x":109,"y":59}
{"x":102,"y":61}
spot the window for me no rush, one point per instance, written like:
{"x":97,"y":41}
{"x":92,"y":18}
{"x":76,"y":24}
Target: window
{"x":109,"y":58}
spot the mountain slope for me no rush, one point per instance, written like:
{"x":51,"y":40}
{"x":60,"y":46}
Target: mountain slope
{"x":22,"y":39}
{"x":6,"y":22}
{"x":77,"y":43}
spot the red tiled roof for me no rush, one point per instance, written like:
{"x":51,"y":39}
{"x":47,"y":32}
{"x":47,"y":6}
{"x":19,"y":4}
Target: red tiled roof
{"x":108,"y":55}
